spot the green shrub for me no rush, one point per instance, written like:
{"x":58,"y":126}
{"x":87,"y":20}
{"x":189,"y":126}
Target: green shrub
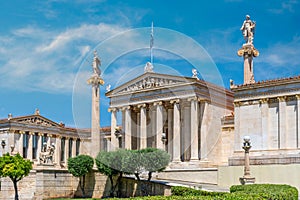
{"x":268,"y":191}
{"x":184,"y":191}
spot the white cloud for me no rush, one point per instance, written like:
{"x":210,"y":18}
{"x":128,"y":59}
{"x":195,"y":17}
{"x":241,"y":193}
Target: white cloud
{"x":286,"y":6}
{"x":35,"y":59}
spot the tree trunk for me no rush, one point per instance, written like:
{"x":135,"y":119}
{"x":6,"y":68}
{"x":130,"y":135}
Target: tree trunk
{"x":83,"y":185}
{"x":149,"y":176}
{"x":112,"y":186}
{"x":16,"y":189}
{"x":137,"y":176}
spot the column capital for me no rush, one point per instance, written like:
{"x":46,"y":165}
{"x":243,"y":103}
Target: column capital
{"x":49,"y":135}
{"x":174,"y":101}
{"x":112,"y":109}
{"x":281,"y":99}
{"x":31,"y":133}
{"x":22,"y":132}
{"x":193,"y":99}
{"x":158,"y":103}
{"x":298,"y":96}
{"x":40,"y":134}
{"x":142,"y":105}
{"x":203,"y":100}
{"x":237,"y":103}
{"x":126,"y":108}
{"x":264,"y":100}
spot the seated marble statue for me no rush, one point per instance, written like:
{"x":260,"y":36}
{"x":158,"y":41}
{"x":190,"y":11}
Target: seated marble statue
{"x":46,"y":155}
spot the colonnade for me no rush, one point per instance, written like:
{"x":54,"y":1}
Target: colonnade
{"x":178,"y":126}
{"x":29,"y":144}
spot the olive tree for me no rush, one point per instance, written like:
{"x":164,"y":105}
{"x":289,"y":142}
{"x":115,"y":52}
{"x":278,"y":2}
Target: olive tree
{"x":154,"y":160}
{"x":16,"y":168}
{"x":79,"y":166}
{"x":111,"y":164}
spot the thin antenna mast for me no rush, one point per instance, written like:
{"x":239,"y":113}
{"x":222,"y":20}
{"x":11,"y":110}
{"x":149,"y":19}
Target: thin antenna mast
{"x":151,"y":44}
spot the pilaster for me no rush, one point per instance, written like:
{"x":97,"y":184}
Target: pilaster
{"x":204,"y":129}
{"x":282,"y":123}
{"x":264,"y":123}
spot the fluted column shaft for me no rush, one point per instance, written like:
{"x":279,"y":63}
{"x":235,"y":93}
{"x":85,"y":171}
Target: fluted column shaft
{"x":143,"y":127}
{"x":113,"y":124}
{"x":128,"y":128}
{"x":176,"y":131}
{"x":194,"y":129}
{"x":159,"y":125}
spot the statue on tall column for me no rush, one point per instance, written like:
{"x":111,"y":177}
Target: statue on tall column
{"x":96,"y":64}
{"x":247,"y":29}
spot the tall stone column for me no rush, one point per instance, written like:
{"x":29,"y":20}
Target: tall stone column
{"x":264,"y":124}
{"x":170,"y":132}
{"x":74,"y":147}
{"x":282,"y":123}
{"x":67,"y":147}
{"x":95,"y":81}
{"x":113,"y":124}
{"x":176,"y":131}
{"x":128,"y":127}
{"x":248,"y":52}
{"x":29,"y":148}
{"x":194,"y":129}
{"x":143,"y":126}
{"x":298,"y":120}
{"x":159,"y":125}
{"x":20,"y":146}
{"x":39,"y":144}
{"x":57,"y":150}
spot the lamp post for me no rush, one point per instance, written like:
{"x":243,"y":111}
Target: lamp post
{"x":247,"y":179}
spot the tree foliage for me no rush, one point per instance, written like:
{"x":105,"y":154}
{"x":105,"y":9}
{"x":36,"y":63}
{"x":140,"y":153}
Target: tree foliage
{"x":16,"y":168}
{"x":117,"y":163}
{"x":79,"y":166}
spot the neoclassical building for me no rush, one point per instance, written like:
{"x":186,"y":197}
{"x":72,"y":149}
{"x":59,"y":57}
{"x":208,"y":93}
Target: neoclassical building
{"x":28,"y":135}
{"x":182,"y":115}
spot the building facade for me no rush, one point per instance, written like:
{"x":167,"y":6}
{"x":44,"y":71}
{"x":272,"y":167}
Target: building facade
{"x":182,"y":115}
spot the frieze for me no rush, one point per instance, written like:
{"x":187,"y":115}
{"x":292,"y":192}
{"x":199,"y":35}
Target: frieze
{"x":150,"y":82}
{"x":37,"y":121}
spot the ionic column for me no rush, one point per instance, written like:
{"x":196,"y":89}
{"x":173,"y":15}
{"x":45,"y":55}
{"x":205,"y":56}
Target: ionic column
{"x":194,"y":129}
{"x":20,"y":146}
{"x":128,"y":128}
{"x":143,"y":127}
{"x":159,"y":124}
{"x":74,"y":147}
{"x":204,"y":129}
{"x":67,"y":146}
{"x":282,"y":123}
{"x":176,"y":130}
{"x":113,"y":124}
{"x":57,"y":150}
{"x":298,"y":120}
{"x":29,"y":148}
{"x":264,"y":124}
{"x":170,"y":132}
{"x":39,"y":144}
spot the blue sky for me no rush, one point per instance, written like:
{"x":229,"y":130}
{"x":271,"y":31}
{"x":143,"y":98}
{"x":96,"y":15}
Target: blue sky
{"x":45,"y":46}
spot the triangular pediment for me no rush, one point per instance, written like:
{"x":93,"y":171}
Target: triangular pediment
{"x":37,"y":120}
{"x":149,"y":81}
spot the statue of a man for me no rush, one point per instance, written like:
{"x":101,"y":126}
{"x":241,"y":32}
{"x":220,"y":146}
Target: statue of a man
{"x":248,"y":30}
{"x":96,"y":64}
